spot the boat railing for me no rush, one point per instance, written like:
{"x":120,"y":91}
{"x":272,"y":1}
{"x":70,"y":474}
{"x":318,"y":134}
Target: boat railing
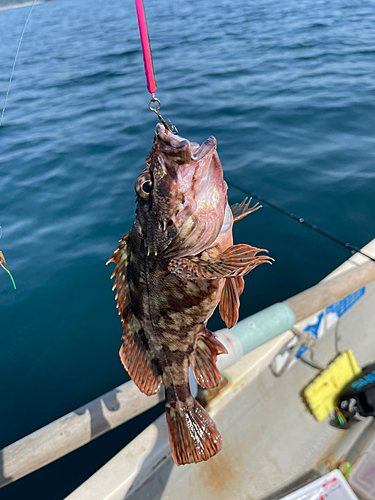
{"x":125,"y":402}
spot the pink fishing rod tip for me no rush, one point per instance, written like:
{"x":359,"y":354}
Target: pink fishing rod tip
{"x":147,"y":57}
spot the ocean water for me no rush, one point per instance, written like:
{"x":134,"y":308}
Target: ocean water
{"x":288,"y":89}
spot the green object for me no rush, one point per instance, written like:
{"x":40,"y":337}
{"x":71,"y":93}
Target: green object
{"x":345,"y":468}
{"x":11,"y":277}
{"x":263,"y":326}
{"x":5,"y":266}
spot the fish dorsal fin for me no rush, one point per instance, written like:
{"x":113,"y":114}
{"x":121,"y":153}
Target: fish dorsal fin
{"x":121,"y":257}
{"x":229,"y":303}
{"x":240,"y":210}
{"x":203,"y":359}
{"x":235,"y":261}
{"x":133,"y":354}
{"x":136,"y":361}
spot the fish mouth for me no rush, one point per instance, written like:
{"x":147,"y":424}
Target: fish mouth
{"x":180,"y":150}
{"x":188,"y":195}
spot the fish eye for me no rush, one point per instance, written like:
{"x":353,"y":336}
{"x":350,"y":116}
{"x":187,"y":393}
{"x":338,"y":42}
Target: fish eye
{"x":146,"y":187}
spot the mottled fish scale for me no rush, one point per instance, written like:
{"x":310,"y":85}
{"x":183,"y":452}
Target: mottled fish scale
{"x":172,"y":269}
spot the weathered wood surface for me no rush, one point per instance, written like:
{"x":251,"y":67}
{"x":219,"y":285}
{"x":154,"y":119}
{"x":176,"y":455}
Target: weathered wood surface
{"x":73,"y":431}
{"x":323,"y":294}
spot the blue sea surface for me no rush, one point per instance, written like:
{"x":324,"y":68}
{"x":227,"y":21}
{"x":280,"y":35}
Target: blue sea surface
{"x":288,"y":89}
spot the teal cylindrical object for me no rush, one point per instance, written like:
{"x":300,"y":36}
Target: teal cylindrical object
{"x":263,"y":326}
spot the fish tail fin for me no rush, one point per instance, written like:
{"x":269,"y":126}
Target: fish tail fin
{"x":193,"y":435}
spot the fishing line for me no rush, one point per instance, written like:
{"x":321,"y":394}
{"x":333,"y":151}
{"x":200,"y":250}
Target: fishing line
{"x":301,"y":220}
{"x":3,"y":262}
{"x":14,"y":63}
{"x":154,"y":105}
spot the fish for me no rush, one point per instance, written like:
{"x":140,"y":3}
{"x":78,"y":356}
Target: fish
{"x":172,"y":269}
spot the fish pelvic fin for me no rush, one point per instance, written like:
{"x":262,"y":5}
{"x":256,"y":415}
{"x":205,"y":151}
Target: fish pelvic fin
{"x":193,"y":435}
{"x":203,"y":359}
{"x":240,"y":284}
{"x":235,"y":261}
{"x":240,"y":210}
{"x":229,"y":302}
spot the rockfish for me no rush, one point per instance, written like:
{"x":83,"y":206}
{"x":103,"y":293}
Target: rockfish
{"x":172,"y":269}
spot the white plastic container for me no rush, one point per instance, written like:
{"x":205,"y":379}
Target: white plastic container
{"x":362,"y":476}
{"x":332,"y":486}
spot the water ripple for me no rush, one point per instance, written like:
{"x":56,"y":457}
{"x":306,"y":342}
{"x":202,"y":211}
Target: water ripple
{"x":288,"y":89}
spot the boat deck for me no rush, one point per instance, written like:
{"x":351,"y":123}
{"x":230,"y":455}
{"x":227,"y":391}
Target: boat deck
{"x":270,"y":439}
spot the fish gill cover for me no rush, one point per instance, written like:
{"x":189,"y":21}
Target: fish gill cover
{"x":172,"y":269}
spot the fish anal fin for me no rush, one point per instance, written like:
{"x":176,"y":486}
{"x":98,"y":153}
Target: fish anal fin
{"x":240,"y":210}
{"x":193,"y":435}
{"x":229,"y":303}
{"x":235,"y":261}
{"x":203,"y":359}
{"x":135,"y":359}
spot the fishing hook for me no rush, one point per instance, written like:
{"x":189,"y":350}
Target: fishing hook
{"x":172,"y":128}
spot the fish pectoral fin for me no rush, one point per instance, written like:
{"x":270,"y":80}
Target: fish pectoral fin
{"x":229,"y":303}
{"x":193,"y":435}
{"x":203,"y":359}
{"x":236,"y":261}
{"x":136,"y":361}
{"x":240,"y":210}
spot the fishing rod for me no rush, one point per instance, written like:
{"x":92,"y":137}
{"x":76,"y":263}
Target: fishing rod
{"x":154,"y":104}
{"x":301,"y":220}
